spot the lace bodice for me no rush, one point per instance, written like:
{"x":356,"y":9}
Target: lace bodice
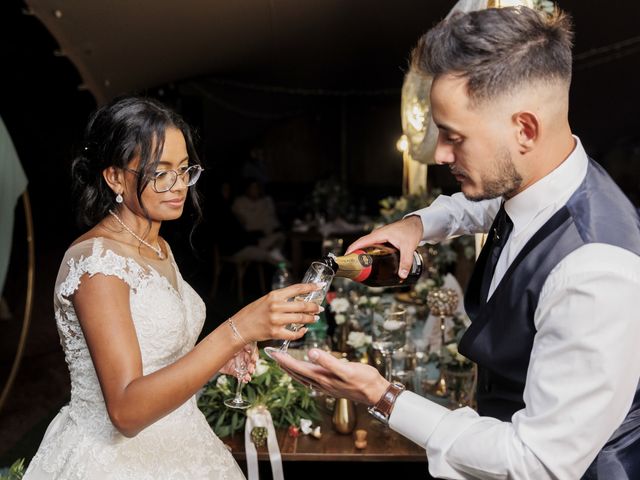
{"x":168,"y":316}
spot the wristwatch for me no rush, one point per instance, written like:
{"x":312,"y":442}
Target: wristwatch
{"x":382,"y":410}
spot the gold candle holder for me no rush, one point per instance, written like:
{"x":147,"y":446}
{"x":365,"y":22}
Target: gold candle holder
{"x":442,"y":302}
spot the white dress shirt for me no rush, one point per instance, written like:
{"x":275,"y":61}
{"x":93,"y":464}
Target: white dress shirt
{"x":585,"y":361}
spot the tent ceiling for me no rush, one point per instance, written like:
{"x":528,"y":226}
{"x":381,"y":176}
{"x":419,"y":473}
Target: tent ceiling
{"x":121,"y":46}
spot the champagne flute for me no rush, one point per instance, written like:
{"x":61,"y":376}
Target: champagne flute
{"x":241,"y":367}
{"x":319,"y":273}
{"x":389,"y":335}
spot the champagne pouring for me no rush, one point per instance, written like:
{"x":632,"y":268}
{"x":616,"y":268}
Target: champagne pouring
{"x":319,"y":273}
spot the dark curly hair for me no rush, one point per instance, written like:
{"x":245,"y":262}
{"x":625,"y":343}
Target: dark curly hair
{"x":498,"y":49}
{"x":116,"y":133}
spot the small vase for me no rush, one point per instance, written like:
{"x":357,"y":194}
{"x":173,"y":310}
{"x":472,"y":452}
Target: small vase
{"x":344,"y":416}
{"x":342,"y":336}
{"x":459,"y":381}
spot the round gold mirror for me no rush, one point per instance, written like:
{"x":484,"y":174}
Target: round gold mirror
{"x":17,"y":297}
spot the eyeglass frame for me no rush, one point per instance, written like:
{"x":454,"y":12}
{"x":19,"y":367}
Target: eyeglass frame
{"x":199,"y":169}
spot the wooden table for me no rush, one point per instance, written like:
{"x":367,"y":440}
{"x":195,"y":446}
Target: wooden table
{"x":383,"y":444}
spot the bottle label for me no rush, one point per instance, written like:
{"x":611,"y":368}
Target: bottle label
{"x":416,"y":267}
{"x":356,"y":265}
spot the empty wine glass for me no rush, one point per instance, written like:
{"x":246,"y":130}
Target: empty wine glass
{"x":319,"y":273}
{"x":241,"y":367}
{"x":389,"y":335}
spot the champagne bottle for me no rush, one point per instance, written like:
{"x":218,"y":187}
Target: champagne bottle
{"x":376,"y":266}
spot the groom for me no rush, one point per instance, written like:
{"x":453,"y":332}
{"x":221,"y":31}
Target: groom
{"x":555,"y":295}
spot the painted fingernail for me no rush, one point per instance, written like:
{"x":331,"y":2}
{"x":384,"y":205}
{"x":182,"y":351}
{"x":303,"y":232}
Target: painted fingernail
{"x":316,"y":318}
{"x":321,"y":309}
{"x":313,"y":355}
{"x":403,"y":273}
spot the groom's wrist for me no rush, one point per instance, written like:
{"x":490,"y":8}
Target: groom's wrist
{"x":377,"y":390}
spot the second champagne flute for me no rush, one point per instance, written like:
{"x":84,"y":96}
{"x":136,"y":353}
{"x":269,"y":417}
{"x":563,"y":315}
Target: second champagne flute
{"x":241,"y":367}
{"x":320,"y":273}
{"x":389,"y":335}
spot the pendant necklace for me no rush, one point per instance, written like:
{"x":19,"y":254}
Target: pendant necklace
{"x":157,"y":249}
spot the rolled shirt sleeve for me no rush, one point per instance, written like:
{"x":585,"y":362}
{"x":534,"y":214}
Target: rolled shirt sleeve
{"x":450,"y":216}
{"x":582,"y":377}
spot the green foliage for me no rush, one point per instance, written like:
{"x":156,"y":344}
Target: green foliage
{"x":287,"y":400}
{"x":15,"y":472}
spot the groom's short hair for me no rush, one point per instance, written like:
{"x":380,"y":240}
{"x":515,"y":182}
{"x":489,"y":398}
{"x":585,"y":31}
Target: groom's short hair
{"x":498,"y":50}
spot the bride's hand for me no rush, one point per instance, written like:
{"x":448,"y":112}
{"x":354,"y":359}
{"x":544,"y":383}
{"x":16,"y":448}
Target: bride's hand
{"x":250,"y":355}
{"x":268,"y":317}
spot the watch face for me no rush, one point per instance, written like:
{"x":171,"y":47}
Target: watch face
{"x":378,"y":415}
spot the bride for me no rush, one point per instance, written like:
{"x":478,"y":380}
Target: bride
{"x":128,"y":322}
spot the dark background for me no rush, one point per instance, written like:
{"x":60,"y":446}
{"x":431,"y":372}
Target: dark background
{"x":328,"y":109}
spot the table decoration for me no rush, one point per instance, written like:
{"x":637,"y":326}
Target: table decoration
{"x":287,"y":401}
{"x":442,"y":303}
{"x":258,"y":421}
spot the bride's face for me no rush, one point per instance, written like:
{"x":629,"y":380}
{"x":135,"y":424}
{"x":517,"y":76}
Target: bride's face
{"x":164,"y":195}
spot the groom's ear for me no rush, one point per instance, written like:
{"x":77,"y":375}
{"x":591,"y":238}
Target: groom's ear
{"x":527,"y":130}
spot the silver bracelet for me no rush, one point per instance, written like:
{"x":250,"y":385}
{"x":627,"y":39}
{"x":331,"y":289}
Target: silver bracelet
{"x":235,"y":331}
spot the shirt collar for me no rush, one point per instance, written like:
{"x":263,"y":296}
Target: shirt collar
{"x":553,"y":189}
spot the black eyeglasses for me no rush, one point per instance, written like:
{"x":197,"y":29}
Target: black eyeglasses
{"x":164,"y":180}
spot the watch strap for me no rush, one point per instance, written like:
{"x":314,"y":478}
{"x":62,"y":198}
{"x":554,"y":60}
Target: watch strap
{"x":383,"y":408}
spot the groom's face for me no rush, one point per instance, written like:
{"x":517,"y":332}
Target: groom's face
{"x":474,"y":140}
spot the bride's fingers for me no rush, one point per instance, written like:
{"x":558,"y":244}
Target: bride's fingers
{"x":298,"y":307}
{"x":287,"y":318}
{"x":297,"y":289}
{"x":284,"y":333}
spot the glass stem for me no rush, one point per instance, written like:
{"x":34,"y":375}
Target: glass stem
{"x":238,"y":397}
{"x":388,"y":366}
{"x":285,"y":346}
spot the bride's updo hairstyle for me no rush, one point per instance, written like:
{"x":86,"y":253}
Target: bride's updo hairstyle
{"x":115,"y":135}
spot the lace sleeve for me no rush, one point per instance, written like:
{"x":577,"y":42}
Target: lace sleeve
{"x":92,"y":257}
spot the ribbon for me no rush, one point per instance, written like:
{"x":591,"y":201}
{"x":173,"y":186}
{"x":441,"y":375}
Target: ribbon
{"x":260,"y":417}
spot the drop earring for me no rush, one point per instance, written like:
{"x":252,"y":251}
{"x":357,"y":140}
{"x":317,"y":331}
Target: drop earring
{"x":119,"y":198}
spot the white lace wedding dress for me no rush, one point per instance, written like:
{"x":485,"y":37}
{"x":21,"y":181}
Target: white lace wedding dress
{"x":81,"y":442}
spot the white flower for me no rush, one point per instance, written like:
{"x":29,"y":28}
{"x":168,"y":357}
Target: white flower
{"x":223,"y":384}
{"x":363,"y":300}
{"x":374,"y":300}
{"x":457,"y":356}
{"x":291,"y":388}
{"x":340,"y":319}
{"x":285,"y":380}
{"x":340,"y":305}
{"x":358,"y":339}
{"x":305,"y":426}
{"x":460,"y":358}
{"x":401,"y":204}
{"x":391,"y":325}
{"x":453,"y":348}
{"x":423,"y":286}
{"x":261,"y":367}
